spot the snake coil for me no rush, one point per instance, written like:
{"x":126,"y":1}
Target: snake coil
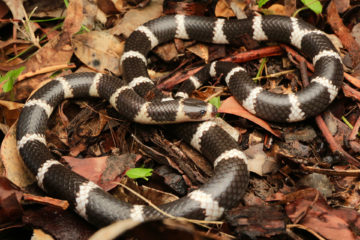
{"x":228,"y":184}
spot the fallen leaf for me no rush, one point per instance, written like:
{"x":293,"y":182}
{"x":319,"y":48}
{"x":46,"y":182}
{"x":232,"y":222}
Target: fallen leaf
{"x":114,"y":230}
{"x":312,"y":211}
{"x":257,"y":221}
{"x":136,"y":17}
{"x":3,"y":9}
{"x":17,"y":8}
{"x":259,"y":162}
{"x":15,"y":169}
{"x":200,"y":50}
{"x":99,"y":50}
{"x":167,"y":51}
{"x":290,"y":7}
{"x":278,"y":9}
{"x":11,"y":105}
{"x":156,"y":229}
{"x":223,"y":9}
{"x":342,"y":5}
{"x":39,"y":234}
{"x":230,"y":105}
{"x":356,"y":33}
{"x":102,"y":170}
{"x":10,"y":207}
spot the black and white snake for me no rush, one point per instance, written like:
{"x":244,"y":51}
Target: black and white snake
{"x":228,"y":184}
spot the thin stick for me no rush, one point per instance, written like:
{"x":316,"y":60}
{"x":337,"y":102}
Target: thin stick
{"x":165,"y":213}
{"x":45,"y":70}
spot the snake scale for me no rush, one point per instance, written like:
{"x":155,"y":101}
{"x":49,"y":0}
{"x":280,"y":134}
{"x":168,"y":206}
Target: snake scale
{"x":130,"y":96}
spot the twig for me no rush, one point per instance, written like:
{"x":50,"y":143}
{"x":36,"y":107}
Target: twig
{"x":195,"y":221}
{"x":254,"y":54}
{"x":353,"y":80}
{"x":303,"y":72}
{"x":45,"y":70}
{"x":354,"y":173}
{"x":214,"y":95}
{"x":334,"y":146}
{"x":63,"y":204}
{"x":274,"y":75}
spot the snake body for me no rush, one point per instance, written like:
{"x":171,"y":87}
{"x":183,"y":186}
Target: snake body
{"x":228,"y":184}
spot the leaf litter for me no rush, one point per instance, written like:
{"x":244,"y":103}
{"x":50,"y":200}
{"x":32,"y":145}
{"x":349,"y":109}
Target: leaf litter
{"x":300,"y":185}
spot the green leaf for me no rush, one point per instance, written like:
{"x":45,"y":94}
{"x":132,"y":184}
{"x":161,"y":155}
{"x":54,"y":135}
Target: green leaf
{"x":10,"y":78}
{"x":8,"y":85}
{"x":215,"y":101}
{"x":47,"y":20}
{"x":136,"y":173}
{"x":261,"y":2}
{"x":314,"y":5}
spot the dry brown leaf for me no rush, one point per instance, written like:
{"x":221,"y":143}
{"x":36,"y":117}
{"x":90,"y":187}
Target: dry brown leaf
{"x":99,"y":50}
{"x":259,"y":162}
{"x":39,"y":234}
{"x":11,"y":105}
{"x":17,"y":8}
{"x":93,"y":14}
{"x":90,"y":168}
{"x":290,"y":7}
{"x":223,"y":9}
{"x":10,"y":203}
{"x":167,"y":51}
{"x":136,"y":17}
{"x":102,"y":170}
{"x":46,"y":9}
{"x":108,"y":6}
{"x":278,"y":9}
{"x":115,"y":230}
{"x":230,"y":105}
{"x":342,"y":5}
{"x":200,"y":50}
{"x":356,"y":33}
{"x":3,"y":9}
{"x":312,"y":211}
{"x":119,"y":5}
{"x":16,"y":171}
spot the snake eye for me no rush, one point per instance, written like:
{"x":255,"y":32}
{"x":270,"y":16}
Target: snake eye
{"x":202,"y":112}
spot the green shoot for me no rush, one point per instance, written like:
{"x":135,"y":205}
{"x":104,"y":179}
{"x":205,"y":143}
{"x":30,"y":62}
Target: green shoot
{"x":135,"y":173}
{"x":10,"y":78}
{"x":348,"y":123}
{"x":261,"y":68}
{"x":313,"y":5}
{"x":215,"y":101}
{"x":260,"y":3}
{"x":47,"y":20}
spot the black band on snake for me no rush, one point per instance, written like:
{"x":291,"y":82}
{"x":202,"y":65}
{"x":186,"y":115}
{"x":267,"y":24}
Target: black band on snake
{"x":228,"y":184}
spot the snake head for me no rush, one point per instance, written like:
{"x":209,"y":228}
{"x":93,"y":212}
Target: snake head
{"x":197,"y":110}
